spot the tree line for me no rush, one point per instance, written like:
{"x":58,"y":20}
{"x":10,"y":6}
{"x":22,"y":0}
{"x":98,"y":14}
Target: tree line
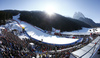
{"x":4,"y":16}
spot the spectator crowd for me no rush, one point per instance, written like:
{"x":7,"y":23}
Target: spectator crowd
{"x":11,"y":46}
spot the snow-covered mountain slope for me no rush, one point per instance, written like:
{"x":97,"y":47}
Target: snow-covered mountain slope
{"x":83,"y":31}
{"x":12,"y":26}
{"x":81,"y":17}
{"x":78,"y":15}
{"x":33,"y":32}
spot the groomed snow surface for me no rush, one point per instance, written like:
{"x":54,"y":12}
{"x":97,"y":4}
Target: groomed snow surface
{"x":34,"y":33}
{"x":83,"y":31}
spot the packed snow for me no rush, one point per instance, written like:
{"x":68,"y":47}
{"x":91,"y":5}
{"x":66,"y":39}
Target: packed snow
{"x":94,"y":30}
{"x":83,"y":31}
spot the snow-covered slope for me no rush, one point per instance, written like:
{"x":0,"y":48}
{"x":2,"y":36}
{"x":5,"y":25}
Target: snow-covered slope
{"x":33,"y":32}
{"x":13,"y":26}
{"x":97,"y":30}
{"x":83,"y":31}
{"x":81,"y":17}
{"x":78,"y":15}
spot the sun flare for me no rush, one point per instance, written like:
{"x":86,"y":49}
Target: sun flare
{"x":50,"y":10}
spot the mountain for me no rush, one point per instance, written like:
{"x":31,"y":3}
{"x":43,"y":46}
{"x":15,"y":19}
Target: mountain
{"x":81,"y":17}
{"x":43,"y":20}
{"x":78,"y":15}
{"x":89,"y":21}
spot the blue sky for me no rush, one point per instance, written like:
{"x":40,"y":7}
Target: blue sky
{"x":90,"y":8}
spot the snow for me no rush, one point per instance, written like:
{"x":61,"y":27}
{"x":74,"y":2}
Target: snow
{"x":83,"y":31}
{"x":78,"y":15}
{"x":34,"y":33}
{"x":95,"y":29}
{"x":12,"y":26}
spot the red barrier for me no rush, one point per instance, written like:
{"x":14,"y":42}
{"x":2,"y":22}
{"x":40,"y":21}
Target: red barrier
{"x":18,"y":23}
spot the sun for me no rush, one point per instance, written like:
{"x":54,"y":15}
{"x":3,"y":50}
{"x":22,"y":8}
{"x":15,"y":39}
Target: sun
{"x":50,"y":10}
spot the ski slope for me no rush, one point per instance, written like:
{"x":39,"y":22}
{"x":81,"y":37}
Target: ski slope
{"x":83,"y":31}
{"x":34,"y":33}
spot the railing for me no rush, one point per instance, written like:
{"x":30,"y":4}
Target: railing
{"x":94,"y":51}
